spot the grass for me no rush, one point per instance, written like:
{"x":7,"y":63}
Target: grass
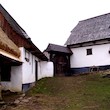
{"x":87,"y":92}
{"x":84,"y":92}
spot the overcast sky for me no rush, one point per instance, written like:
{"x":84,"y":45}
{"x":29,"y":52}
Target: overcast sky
{"x":51,"y":21}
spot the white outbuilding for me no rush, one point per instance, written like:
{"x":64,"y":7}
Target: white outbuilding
{"x":90,"y":43}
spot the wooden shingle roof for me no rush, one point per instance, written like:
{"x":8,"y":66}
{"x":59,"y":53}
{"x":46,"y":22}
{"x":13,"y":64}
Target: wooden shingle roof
{"x":58,"y":48}
{"x":93,"y":29}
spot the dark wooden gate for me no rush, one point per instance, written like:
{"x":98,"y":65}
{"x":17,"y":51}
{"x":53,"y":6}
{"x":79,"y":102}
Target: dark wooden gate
{"x":61,"y":65}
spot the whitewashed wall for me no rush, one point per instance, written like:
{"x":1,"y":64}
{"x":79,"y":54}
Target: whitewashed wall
{"x":46,"y":69}
{"x":99,"y":57}
{"x":19,"y":75}
{"x":28,"y":68}
{"x":15,"y":85}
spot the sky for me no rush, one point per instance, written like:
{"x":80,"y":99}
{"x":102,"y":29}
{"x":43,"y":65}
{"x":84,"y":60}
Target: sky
{"x":51,"y":21}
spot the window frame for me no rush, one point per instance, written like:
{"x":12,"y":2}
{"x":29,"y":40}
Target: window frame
{"x":27,"y":55}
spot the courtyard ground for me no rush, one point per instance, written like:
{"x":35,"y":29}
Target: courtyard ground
{"x":84,"y":92}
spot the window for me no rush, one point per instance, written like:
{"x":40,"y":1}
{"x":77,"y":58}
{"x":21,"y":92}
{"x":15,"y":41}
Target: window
{"x":89,"y":51}
{"x":27,"y":55}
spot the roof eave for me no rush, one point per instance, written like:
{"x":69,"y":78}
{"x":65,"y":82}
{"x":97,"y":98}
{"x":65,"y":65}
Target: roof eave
{"x":81,"y":43}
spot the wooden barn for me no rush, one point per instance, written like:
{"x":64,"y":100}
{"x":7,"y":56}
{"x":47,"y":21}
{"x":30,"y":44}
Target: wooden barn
{"x":60,"y":56}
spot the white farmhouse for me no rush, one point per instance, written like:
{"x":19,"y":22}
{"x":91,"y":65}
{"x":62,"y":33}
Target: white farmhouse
{"x":21,"y":62}
{"x":90,"y":43}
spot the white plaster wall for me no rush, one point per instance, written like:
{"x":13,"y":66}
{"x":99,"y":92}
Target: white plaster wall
{"x":21,"y":74}
{"x":28,"y":75}
{"x":15,"y":83}
{"x":45,"y":69}
{"x":99,"y":57}
{"x":16,"y":77}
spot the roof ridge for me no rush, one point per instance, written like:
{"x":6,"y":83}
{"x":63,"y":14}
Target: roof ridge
{"x":94,"y":17}
{"x":57,"y":45}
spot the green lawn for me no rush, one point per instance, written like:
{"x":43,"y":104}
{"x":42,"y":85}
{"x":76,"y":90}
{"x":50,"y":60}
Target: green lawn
{"x":86,"y":92}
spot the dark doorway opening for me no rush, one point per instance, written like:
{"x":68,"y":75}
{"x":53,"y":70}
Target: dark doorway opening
{"x":36,"y":70}
{"x":5,"y":72}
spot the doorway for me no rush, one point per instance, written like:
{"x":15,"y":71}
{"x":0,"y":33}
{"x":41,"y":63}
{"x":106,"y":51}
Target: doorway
{"x":36,"y":70}
{"x":61,"y":65}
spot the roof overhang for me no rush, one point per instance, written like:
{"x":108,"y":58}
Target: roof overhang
{"x":8,"y":45}
{"x":90,"y":43}
{"x":13,"y":60}
{"x":35,"y":51}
